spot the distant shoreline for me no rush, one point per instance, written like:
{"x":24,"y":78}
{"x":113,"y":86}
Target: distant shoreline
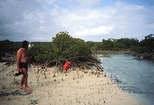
{"x":115,"y":52}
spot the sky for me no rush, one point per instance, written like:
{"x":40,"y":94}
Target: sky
{"x":90,"y":20}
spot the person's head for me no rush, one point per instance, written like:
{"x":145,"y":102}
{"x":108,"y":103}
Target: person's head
{"x":25,"y":44}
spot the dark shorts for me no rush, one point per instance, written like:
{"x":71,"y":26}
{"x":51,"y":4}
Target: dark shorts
{"x":23,"y":65}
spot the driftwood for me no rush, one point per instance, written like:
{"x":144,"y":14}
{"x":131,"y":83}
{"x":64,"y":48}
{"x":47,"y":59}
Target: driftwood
{"x":146,"y":55}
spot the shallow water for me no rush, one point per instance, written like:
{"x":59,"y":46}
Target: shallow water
{"x":136,"y":76}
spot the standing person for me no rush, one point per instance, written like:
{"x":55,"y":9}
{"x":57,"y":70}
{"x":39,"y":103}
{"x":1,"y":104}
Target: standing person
{"x":22,"y":64}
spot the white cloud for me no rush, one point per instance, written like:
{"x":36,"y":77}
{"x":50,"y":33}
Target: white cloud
{"x":101,"y":30}
{"x":41,"y":20}
{"x":89,"y":2}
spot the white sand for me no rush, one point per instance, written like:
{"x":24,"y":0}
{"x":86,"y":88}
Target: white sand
{"x":75,"y":89}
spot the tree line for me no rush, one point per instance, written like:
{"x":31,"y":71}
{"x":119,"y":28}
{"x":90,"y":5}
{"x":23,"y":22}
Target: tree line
{"x":132,"y":44}
{"x":64,"y":46}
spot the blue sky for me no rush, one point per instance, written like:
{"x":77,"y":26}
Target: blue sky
{"x":90,"y":20}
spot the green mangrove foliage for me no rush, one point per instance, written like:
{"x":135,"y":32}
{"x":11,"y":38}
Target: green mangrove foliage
{"x":63,"y":46}
{"x":132,"y":44}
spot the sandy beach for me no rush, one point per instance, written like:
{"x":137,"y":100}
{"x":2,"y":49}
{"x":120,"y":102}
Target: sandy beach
{"x":79,"y":87}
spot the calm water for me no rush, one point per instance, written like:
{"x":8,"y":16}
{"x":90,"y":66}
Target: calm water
{"x":136,"y":76}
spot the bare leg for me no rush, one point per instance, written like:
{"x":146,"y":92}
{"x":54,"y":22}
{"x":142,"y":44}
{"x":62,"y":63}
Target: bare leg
{"x":24,"y":78}
{"x":22,"y":81}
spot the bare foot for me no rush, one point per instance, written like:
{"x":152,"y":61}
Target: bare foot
{"x":22,"y":88}
{"x":27,"y":89}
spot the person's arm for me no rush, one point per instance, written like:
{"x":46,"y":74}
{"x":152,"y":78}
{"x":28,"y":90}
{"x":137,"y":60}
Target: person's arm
{"x":18,"y":57}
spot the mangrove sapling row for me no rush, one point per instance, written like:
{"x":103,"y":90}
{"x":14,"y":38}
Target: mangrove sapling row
{"x":80,"y":62}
